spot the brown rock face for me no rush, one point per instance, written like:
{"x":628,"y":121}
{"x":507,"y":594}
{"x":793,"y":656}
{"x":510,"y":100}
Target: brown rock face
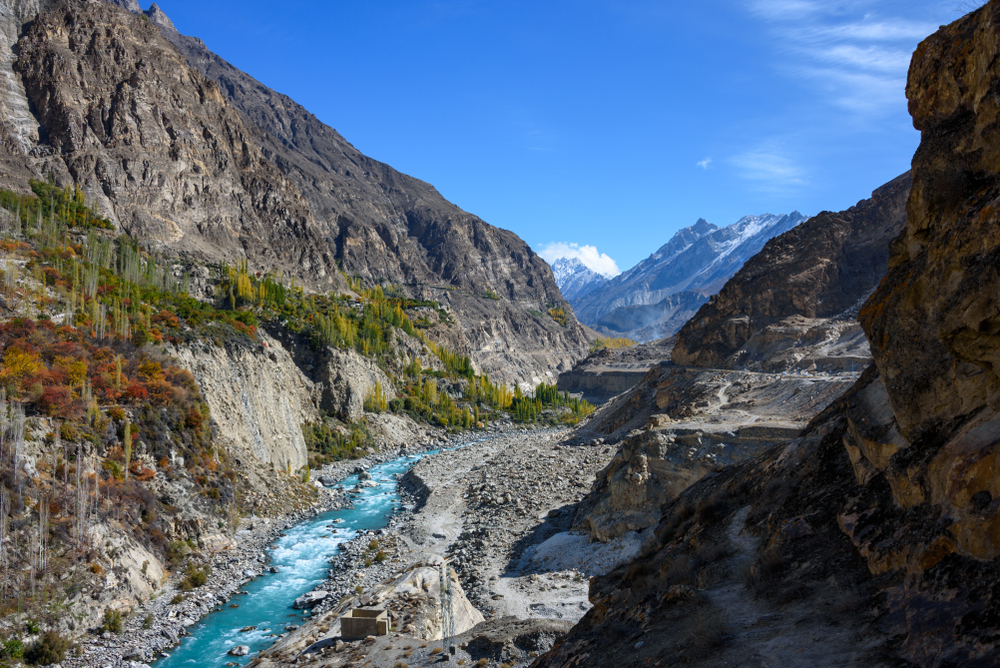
{"x":818,"y":269}
{"x":191,"y":155}
{"x":158,"y":145}
{"x":934,"y":323}
{"x":894,"y":488}
{"x":387,"y":225}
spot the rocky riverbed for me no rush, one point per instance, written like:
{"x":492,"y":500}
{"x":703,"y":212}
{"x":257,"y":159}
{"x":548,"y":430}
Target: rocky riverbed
{"x":487,"y":508}
{"x":498,"y":512}
{"x":168,"y":621}
{"x":158,"y":626}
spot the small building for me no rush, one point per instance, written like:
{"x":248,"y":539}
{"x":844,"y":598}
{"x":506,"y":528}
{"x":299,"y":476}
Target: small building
{"x":359,"y":623}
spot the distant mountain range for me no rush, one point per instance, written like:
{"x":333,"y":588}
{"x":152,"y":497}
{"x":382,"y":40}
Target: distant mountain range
{"x":575,"y":279}
{"x":657,"y":296}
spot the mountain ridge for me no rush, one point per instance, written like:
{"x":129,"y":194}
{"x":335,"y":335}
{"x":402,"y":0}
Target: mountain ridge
{"x":575,"y":279}
{"x":695,"y":262}
{"x":286,"y":192}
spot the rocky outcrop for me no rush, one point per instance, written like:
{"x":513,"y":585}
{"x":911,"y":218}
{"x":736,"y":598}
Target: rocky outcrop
{"x":257,"y":396}
{"x":692,"y":265}
{"x":820,"y":269}
{"x":348,"y":379}
{"x":888,"y":500}
{"x":649,"y":469}
{"x":157,"y":147}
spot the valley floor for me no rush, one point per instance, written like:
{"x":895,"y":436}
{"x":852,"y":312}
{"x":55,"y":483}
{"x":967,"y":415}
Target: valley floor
{"x":499,"y":512}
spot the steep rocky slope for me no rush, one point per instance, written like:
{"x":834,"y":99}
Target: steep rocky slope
{"x":190,"y":155}
{"x":691,"y":266}
{"x":156,"y":146}
{"x":385,"y":225}
{"x":881,"y":518}
{"x":819,"y":270}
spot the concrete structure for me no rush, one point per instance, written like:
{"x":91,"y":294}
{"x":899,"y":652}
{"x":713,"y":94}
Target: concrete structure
{"x":359,"y":623}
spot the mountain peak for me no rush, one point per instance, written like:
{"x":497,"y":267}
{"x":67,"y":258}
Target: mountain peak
{"x":696,"y":261}
{"x":158,"y":18}
{"x":702,"y":226}
{"x":574,"y":278}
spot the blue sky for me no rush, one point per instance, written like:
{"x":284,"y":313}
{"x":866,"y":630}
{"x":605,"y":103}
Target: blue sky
{"x":599,"y":128}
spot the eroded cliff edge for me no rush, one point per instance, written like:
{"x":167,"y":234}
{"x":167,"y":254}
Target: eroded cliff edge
{"x":880,"y":521}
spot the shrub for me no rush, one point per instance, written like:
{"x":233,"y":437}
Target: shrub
{"x":12,"y":648}
{"x":112,"y":621}
{"x":194,"y":577}
{"x":50,"y":649}
{"x":68,"y":432}
{"x":147,"y":622}
{"x":176,"y":551}
{"x":178,"y":598}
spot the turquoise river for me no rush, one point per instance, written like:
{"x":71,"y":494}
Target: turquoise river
{"x":301,"y":556}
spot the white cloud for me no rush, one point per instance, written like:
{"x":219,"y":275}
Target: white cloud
{"x":704,"y":164}
{"x":588,"y":255}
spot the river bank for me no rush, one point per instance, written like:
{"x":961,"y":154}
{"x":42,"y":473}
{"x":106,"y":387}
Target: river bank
{"x":158,"y":626}
{"x":499,"y":511}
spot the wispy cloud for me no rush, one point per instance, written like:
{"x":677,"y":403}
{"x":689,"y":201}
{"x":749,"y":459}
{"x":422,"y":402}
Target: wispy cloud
{"x":770,"y":168}
{"x":704,"y":164}
{"x":855,"y":58}
{"x":588,"y":255}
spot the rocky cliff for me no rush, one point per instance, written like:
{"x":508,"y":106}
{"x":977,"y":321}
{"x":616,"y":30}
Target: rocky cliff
{"x":691,"y":266}
{"x":881,"y":519}
{"x":156,"y":147}
{"x":257,"y":395}
{"x":194,"y":157}
{"x":818,"y":270}
{"x":385,"y":225}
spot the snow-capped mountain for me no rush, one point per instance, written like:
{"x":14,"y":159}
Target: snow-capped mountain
{"x":574,"y":278}
{"x":697,"y":261}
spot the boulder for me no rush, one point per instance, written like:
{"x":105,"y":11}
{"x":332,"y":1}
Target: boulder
{"x":310,"y":599}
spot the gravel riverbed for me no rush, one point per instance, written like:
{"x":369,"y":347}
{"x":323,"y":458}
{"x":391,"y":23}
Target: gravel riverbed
{"x":232,"y":568}
{"x":487,"y":507}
